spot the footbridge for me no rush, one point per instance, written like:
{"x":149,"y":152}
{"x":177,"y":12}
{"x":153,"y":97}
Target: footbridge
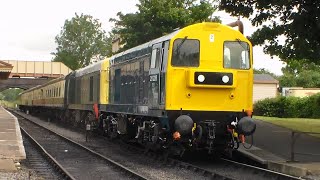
{"x":27,"y":74}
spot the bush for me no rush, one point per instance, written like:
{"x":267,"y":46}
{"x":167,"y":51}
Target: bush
{"x":289,"y":107}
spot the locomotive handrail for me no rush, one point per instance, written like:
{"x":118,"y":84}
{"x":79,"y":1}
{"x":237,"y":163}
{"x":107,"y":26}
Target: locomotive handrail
{"x":237,"y":23}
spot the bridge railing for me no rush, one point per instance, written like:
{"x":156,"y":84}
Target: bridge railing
{"x":38,"y":69}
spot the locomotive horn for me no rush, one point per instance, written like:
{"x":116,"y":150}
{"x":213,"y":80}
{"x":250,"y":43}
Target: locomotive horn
{"x":237,"y":23}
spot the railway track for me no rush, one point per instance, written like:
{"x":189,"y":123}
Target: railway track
{"x":222,"y":169}
{"x":75,"y":160}
{"x":40,"y":161}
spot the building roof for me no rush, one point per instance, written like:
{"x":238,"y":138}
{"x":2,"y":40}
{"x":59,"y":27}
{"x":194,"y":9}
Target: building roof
{"x":5,"y":70}
{"x":264,"y":79}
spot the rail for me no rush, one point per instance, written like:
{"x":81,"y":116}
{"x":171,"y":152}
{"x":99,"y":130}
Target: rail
{"x":293,"y":141}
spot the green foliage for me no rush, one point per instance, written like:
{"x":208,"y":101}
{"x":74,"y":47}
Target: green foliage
{"x":306,"y":79}
{"x":10,"y":94}
{"x":156,"y":18}
{"x":287,"y":80}
{"x":293,"y":107}
{"x":300,"y":73}
{"x":1,"y":96}
{"x":264,"y":71}
{"x":80,"y":40}
{"x":295,"y":67}
{"x":298,"y":21}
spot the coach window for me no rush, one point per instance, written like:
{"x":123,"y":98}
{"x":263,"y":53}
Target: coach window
{"x":186,"y":52}
{"x":236,"y":55}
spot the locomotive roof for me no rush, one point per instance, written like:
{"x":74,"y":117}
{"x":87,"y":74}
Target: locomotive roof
{"x":128,"y":54}
{"x":89,"y":69}
{"x":141,"y":49}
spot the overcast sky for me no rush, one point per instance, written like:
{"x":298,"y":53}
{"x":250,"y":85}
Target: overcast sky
{"x":28,"y":28}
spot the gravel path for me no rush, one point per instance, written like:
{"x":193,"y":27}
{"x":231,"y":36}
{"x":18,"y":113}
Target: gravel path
{"x":22,"y":173}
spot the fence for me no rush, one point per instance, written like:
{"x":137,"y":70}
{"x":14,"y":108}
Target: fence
{"x":294,"y":136}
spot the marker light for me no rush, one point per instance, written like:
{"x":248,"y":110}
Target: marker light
{"x":201,"y":78}
{"x":225,"y":79}
{"x":176,"y":136}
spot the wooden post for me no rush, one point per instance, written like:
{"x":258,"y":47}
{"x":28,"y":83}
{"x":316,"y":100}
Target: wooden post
{"x":292,"y":147}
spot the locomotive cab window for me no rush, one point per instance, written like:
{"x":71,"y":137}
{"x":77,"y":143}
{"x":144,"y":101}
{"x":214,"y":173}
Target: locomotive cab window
{"x":236,"y":55}
{"x":186,"y":52}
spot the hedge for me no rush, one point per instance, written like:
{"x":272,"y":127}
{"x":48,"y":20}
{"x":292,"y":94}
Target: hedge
{"x":289,"y":107}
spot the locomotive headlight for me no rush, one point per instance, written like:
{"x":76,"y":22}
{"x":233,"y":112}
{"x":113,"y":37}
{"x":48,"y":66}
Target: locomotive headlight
{"x":201,"y":78}
{"x":225,"y":79}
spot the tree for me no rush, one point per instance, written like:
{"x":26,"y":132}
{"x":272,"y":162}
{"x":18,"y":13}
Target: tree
{"x":264,"y":71}
{"x":156,"y":18}
{"x":306,"y":79}
{"x":309,"y":79}
{"x":11,"y":94}
{"x":287,"y":80}
{"x":1,"y":96}
{"x":297,"y":20}
{"x":295,"y":67}
{"x":81,"y":39}
{"x":300,"y":73}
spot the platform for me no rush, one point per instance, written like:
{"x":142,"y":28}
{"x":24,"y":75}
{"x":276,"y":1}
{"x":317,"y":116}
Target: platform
{"x":272,"y":149}
{"x":11,"y":144}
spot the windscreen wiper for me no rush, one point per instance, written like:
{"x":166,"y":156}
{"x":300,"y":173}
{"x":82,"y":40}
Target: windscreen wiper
{"x":243,"y":46}
{"x":183,"y":40}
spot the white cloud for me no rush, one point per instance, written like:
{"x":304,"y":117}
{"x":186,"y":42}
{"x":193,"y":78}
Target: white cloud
{"x":28,"y":28}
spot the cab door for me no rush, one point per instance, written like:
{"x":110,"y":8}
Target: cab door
{"x":154,"y":76}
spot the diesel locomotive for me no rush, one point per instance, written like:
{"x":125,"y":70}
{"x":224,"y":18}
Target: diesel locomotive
{"x":188,"y":90}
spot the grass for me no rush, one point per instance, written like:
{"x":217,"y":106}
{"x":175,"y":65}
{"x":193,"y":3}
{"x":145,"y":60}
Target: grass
{"x":296,"y":124}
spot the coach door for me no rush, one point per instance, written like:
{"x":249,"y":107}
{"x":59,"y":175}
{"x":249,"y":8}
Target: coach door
{"x":154,"y":76}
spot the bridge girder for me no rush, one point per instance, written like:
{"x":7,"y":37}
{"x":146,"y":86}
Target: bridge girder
{"x":23,"y":83}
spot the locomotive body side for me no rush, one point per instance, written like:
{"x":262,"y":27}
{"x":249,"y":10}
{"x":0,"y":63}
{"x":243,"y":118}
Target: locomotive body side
{"x":86,"y":92}
{"x":131,"y":90}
